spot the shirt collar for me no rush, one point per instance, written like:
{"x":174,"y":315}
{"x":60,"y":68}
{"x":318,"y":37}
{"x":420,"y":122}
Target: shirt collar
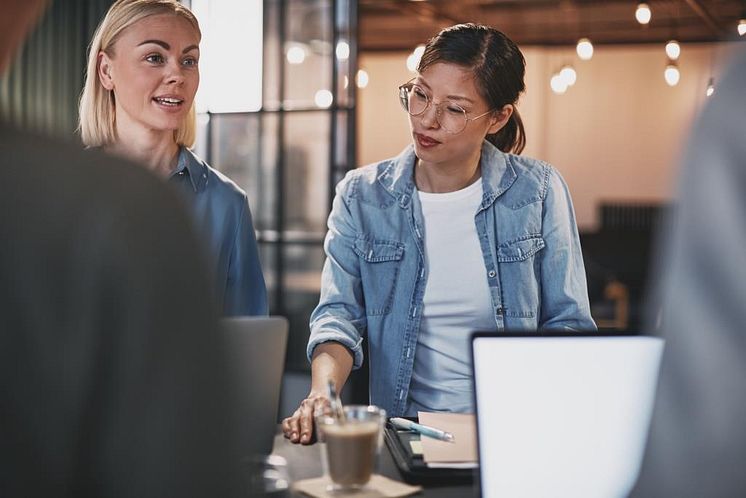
{"x":498,"y":173}
{"x":189,"y":164}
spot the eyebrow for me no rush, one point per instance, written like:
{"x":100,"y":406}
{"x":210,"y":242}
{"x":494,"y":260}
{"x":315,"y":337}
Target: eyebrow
{"x":166,"y":46}
{"x":449,"y":97}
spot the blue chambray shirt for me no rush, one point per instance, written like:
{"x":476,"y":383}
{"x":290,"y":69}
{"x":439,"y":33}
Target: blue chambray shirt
{"x":374,"y":276}
{"x":223,"y":219}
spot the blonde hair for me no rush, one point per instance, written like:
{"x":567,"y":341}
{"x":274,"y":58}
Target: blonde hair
{"x":97,"y":108}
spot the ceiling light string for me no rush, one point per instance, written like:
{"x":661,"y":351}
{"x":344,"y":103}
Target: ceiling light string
{"x":673,"y":48}
{"x":584,"y":47}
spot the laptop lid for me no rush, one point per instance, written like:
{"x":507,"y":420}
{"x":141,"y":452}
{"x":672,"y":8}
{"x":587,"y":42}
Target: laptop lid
{"x":562,"y":414}
{"x":256,"y":348}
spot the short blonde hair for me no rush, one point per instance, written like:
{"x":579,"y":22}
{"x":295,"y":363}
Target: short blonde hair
{"x":97,"y":108}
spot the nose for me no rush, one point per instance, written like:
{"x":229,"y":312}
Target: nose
{"x":429,"y":118}
{"x":174,"y":73}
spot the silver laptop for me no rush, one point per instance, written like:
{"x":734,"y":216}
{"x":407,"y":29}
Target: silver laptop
{"x":257,"y":359}
{"x":563,"y":414}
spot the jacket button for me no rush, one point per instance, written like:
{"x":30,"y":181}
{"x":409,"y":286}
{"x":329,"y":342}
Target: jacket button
{"x":492,"y":274}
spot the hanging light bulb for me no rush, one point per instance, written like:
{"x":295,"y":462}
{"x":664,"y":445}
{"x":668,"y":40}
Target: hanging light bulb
{"x":584,"y":49}
{"x":414,"y":58}
{"x":296,"y":54}
{"x":710,"y":87}
{"x":742,"y":27}
{"x":323,"y":98}
{"x":362,"y":78}
{"x":568,"y":75}
{"x":643,"y":14}
{"x":558,"y":84}
{"x":673,"y":50}
{"x":343,"y":50}
{"x":671,"y":74}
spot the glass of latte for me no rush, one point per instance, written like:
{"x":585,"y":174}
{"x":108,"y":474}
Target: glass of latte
{"x":351,"y":445}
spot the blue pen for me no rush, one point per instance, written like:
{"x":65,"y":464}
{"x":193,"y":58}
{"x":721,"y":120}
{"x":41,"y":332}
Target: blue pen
{"x":423,"y":430}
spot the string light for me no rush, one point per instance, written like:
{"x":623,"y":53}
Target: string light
{"x":343,"y":51}
{"x":710,"y":87}
{"x":742,"y":27}
{"x":671,"y":74}
{"x":568,"y":75}
{"x":643,"y":14}
{"x":558,"y":84}
{"x":362,"y":78}
{"x":584,"y":49}
{"x":414,"y":58}
{"x":296,"y":55}
{"x":673,"y":50}
{"x":323,"y":99}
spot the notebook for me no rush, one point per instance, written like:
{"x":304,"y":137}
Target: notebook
{"x":562,"y":414}
{"x":257,"y":359}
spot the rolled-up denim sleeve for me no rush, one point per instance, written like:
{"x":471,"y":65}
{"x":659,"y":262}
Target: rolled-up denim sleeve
{"x":564,"y":290}
{"x":340,"y":315}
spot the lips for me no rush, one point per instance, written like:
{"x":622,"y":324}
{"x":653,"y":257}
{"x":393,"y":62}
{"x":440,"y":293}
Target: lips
{"x":425,"y":141}
{"x":168,"y":100}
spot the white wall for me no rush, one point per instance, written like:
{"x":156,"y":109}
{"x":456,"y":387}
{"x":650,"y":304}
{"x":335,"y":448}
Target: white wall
{"x":615,"y":135}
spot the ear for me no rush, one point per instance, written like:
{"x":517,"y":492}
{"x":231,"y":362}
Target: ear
{"x":499,"y":118}
{"x":104,"y":70}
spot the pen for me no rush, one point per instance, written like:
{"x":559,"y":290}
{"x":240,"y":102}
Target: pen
{"x":423,"y":430}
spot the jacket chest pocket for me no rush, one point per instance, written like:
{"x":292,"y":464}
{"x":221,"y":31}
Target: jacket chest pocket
{"x":519,"y":275}
{"x":380,"y":261}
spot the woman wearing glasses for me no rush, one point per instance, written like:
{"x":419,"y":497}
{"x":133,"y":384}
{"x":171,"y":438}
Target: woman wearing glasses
{"x":458,"y":233}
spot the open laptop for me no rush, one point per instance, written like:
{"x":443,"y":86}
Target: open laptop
{"x":562,"y":414}
{"x":257,"y":359}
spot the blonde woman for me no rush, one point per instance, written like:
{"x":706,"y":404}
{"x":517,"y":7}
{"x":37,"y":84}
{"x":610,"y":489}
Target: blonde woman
{"x":143,"y":74}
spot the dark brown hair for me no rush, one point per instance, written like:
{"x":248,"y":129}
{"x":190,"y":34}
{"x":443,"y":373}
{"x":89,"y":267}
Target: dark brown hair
{"x":498,"y":67}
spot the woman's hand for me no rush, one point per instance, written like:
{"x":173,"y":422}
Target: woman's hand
{"x":298,"y":428}
{"x":331,"y":362}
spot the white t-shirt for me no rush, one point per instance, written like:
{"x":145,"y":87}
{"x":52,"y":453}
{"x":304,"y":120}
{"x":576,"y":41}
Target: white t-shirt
{"x":456,"y":302}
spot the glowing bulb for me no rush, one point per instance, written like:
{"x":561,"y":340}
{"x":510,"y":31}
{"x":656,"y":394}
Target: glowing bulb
{"x":346,"y":82}
{"x":568,"y":75}
{"x":584,"y":49}
{"x":673,"y":50}
{"x":558,"y":84}
{"x":362,"y":78}
{"x":414,"y":58}
{"x":296,"y":55}
{"x":742,"y":27}
{"x":710,"y":87}
{"x":343,"y":51}
{"x":643,"y":14}
{"x":323,"y":98}
{"x":672,"y":75}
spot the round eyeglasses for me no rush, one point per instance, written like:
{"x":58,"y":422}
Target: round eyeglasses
{"x":450,"y":116}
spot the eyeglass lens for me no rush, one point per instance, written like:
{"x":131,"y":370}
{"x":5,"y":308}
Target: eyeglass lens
{"x":450,"y":116}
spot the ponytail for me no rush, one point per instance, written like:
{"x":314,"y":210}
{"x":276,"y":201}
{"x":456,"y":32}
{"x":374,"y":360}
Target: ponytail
{"x":512,"y":136}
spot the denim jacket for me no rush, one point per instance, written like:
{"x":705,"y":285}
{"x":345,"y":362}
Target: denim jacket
{"x":375,"y":272}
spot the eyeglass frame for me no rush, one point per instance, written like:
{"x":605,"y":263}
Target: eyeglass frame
{"x":438,"y":110}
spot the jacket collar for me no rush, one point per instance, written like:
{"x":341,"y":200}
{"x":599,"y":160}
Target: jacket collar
{"x":498,"y":174}
{"x":191,"y":165}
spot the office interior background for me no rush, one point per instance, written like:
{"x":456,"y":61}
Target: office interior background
{"x":294,"y":93}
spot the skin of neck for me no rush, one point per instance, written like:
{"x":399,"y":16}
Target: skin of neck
{"x":156,"y":149}
{"x":440,"y":178}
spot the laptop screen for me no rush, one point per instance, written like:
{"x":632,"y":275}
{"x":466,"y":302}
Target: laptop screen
{"x":562,"y":415}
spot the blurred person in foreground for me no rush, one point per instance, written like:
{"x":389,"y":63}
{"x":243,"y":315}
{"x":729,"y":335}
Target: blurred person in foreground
{"x":112,"y":377}
{"x":138,"y":102}
{"x":697,"y":444}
